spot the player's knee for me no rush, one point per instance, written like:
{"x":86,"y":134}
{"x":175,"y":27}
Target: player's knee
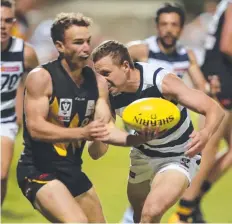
{"x":152,"y":212}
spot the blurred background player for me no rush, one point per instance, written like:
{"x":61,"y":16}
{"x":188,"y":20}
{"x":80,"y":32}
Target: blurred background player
{"x":164,"y":48}
{"x":218,"y":61}
{"x":165,"y":51}
{"x":195,"y":31}
{"x":23,"y":29}
{"x":17,"y":58}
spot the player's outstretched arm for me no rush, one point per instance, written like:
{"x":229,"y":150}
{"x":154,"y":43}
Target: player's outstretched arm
{"x":174,"y":88}
{"x":37,"y":96}
{"x":196,"y":75}
{"x":116,"y":136}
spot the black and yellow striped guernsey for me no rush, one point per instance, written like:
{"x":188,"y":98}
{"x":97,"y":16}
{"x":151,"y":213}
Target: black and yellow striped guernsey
{"x":70,"y":106}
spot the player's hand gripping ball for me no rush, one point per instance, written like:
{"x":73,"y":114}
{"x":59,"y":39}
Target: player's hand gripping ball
{"x":151,"y":112}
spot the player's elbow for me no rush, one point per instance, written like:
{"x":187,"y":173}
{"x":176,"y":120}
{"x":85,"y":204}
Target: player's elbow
{"x":225,"y":49}
{"x":218,"y":110}
{"x":32,"y":127}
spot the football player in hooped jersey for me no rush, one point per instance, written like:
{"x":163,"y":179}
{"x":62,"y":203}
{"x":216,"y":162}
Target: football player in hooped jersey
{"x":65,"y":105}
{"x":161,"y":169}
{"x":17,"y":58}
{"x":165,"y":49}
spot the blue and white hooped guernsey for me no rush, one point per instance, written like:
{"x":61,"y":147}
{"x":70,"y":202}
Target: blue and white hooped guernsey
{"x":12,"y":69}
{"x":173,"y":142}
{"x":177,"y":62}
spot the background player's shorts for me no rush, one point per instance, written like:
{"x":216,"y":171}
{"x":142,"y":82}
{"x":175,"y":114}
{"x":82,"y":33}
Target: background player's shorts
{"x":30,"y":180}
{"x":9,"y":130}
{"x":145,"y":168}
{"x":222,"y":68}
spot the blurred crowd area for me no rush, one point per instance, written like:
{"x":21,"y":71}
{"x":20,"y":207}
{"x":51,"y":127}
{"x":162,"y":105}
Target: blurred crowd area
{"x":122,"y":20}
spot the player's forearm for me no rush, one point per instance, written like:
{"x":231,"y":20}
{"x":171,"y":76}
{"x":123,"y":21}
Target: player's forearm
{"x":214,"y":116}
{"x":45,"y":131}
{"x":197,"y":78}
{"x":122,"y":138}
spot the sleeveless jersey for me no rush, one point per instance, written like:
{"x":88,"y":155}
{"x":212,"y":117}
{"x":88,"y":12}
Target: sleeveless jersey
{"x":12,"y":69}
{"x":214,"y":58}
{"x":70,"y":107}
{"x":174,"y":140}
{"x":177,"y":62}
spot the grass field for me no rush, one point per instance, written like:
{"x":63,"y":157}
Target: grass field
{"x":109,"y":175}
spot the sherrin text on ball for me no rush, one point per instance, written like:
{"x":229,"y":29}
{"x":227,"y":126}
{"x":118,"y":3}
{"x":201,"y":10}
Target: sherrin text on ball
{"x":151,"y":112}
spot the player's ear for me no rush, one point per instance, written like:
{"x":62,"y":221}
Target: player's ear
{"x":59,"y":46}
{"x":126,"y":66}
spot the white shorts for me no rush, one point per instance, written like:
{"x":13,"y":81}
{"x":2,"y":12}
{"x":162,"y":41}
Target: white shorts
{"x":145,"y":168}
{"x":9,"y":130}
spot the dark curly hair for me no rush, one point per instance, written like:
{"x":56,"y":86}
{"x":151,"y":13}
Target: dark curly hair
{"x":169,"y":8}
{"x":8,"y":3}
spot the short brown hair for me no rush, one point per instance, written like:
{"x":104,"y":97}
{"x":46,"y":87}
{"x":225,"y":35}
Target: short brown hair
{"x":65,"y":20}
{"x":115,"y":49}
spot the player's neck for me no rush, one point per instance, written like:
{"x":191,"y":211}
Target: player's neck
{"x":165,"y":50}
{"x":73,"y":71}
{"x":133,"y":82}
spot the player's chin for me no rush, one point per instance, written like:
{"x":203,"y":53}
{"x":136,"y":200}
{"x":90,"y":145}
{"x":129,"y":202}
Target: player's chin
{"x":4,"y":38}
{"x":82,"y":62}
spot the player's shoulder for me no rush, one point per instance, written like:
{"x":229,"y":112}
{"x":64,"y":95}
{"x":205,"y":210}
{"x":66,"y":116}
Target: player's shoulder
{"x":17,"y":44}
{"x":29,"y":51}
{"x":38,"y":76}
{"x":151,"y":72}
{"x":180,"y":49}
{"x":148,"y":68}
{"x":150,"y":39}
{"x":30,"y":57}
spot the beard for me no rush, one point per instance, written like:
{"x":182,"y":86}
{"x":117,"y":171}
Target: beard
{"x":164,"y":42}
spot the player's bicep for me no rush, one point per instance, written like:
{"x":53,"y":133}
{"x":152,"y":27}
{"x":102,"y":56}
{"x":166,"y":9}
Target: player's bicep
{"x":37,"y":96}
{"x":175,"y":89}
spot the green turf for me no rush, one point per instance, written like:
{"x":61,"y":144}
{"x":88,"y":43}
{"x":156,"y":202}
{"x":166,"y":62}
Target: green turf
{"x":109,"y":176}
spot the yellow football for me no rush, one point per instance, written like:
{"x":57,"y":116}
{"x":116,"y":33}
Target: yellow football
{"x":152,"y":112}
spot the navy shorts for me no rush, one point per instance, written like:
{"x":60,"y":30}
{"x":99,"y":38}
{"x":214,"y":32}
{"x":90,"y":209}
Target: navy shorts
{"x":30,"y":180}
